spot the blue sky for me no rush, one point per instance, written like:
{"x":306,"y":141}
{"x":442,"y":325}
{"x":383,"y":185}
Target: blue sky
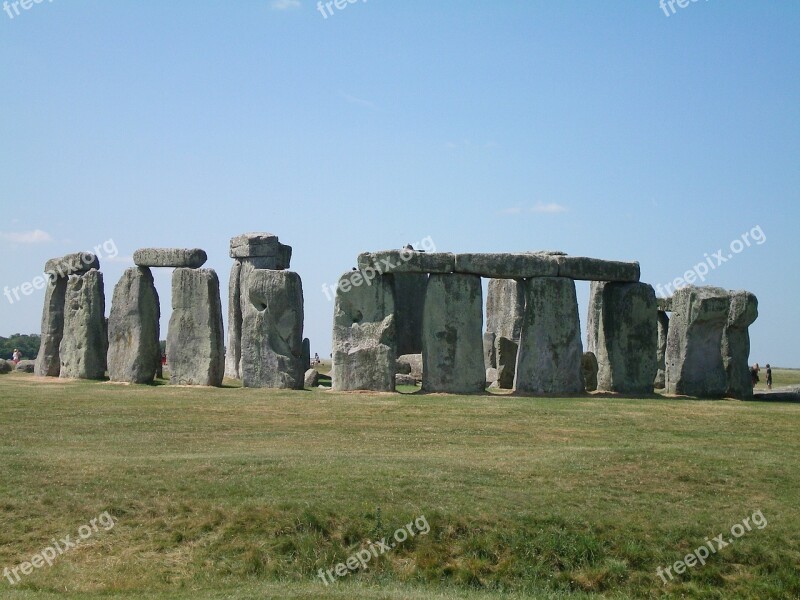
{"x":605,"y":129}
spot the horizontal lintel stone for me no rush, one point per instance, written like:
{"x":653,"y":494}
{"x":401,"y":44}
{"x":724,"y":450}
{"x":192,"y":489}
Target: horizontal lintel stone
{"x":407,"y":261}
{"x":192,"y":258}
{"x":72,"y":264}
{"x":508,"y":265}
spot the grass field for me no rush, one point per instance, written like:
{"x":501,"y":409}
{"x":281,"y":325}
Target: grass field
{"x":242,"y":493}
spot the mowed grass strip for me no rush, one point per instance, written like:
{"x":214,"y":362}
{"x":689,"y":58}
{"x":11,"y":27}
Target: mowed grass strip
{"x":229,"y":492}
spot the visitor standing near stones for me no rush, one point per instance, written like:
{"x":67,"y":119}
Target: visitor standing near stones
{"x":754,"y":374}
{"x":16,"y":356}
{"x":769,"y":377}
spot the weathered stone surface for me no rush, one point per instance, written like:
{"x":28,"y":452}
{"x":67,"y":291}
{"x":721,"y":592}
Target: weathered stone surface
{"x":48,"y":362}
{"x":623,"y":335}
{"x":409,"y":303}
{"x":505,"y":307}
{"x":452,"y":343}
{"x":84,"y":345}
{"x":272,"y":330}
{"x":402,"y":368}
{"x":400,"y":379}
{"x":694,"y":342}
{"x":664,"y":304}
{"x":134,"y":352}
{"x":387,"y":262}
{"x":264,"y":246}
{"x":192,"y":258}
{"x":742,"y":313}
{"x":595,"y":269}
{"x":6,"y":366}
{"x":412,"y":362}
{"x":508,"y":265}
{"x":195,"y":342}
{"x":311,"y":378}
{"x":306,"y":353}
{"x":491,"y":377}
{"x":506,"y":362}
{"x":489,"y":352}
{"x":25,"y":366}
{"x":364,"y":336}
{"x":233,"y":351}
{"x":663,"y":331}
{"x":76,"y":263}
{"x":550,"y":348}
{"x":589,"y":370}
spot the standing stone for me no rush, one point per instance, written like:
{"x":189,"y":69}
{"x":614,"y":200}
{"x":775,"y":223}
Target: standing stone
{"x":233,"y":352}
{"x":85,"y":343}
{"x":663,"y":331}
{"x":742,"y":313}
{"x":452,"y":343}
{"x":306,"y":354}
{"x":623,"y":335}
{"x":272,"y":330}
{"x":48,"y":362}
{"x":134,"y":352}
{"x":506,"y":362}
{"x":489,"y":351}
{"x":550,"y":348}
{"x":589,"y":369}
{"x":364,"y":335}
{"x":694,"y":342}
{"x":195,"y":343}
{"x":409,"y":298}
{"x":505,"y":307}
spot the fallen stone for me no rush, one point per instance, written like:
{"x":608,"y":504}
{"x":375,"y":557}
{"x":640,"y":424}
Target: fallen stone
{"x":25,"y":366}
{"x":134,"y":352}
{"x":311,"y":378}
{"x":550,"y":348}
{"x":623,"y":336}
{"x":506,"y":362}
{"x":589,"y":370}
{"x":77,"y":263}
{"x":191,"y":258}
{"x":452,"y":343}
{"x":387,"y":262}
{"x":401,"y":379}
{"x":6,"y":366}
{"x":264,"y":246}
{"x":412,"y":362}
{"x":595,"y":269}
{"x":272,"y":330}
{"x":195,"y":342}
{"x":507,"y":265}
{"x":364,"y":335}
{"x":48,"y":361}
{"x":83,"y":347}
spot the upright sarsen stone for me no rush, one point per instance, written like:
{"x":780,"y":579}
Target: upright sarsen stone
{"x":233,"y":351}
{"x":694,"y":343}
{"x":663,"y":331}
{"x":48,"y":362}
{"x":409,"y":298}
{"x":272,"y":330}
{"x":452,"y":342}
{"x":195,"y":343}
{"x":84,"y":345}
{"x":364,"y":335}
{"x":623,"y":335}
{"x":505,"y":307}
{"x":743,"y":311}
{"x":550,"y":348}
{"x":134,"y":352}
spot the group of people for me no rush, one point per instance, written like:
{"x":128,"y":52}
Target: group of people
{"x":755,"y":370}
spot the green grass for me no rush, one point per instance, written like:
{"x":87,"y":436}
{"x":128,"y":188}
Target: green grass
{"x":780,"y":378}
{"x":243,"y":493}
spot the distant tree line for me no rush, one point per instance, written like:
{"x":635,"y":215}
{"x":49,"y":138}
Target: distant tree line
{"x":27,"y":344}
